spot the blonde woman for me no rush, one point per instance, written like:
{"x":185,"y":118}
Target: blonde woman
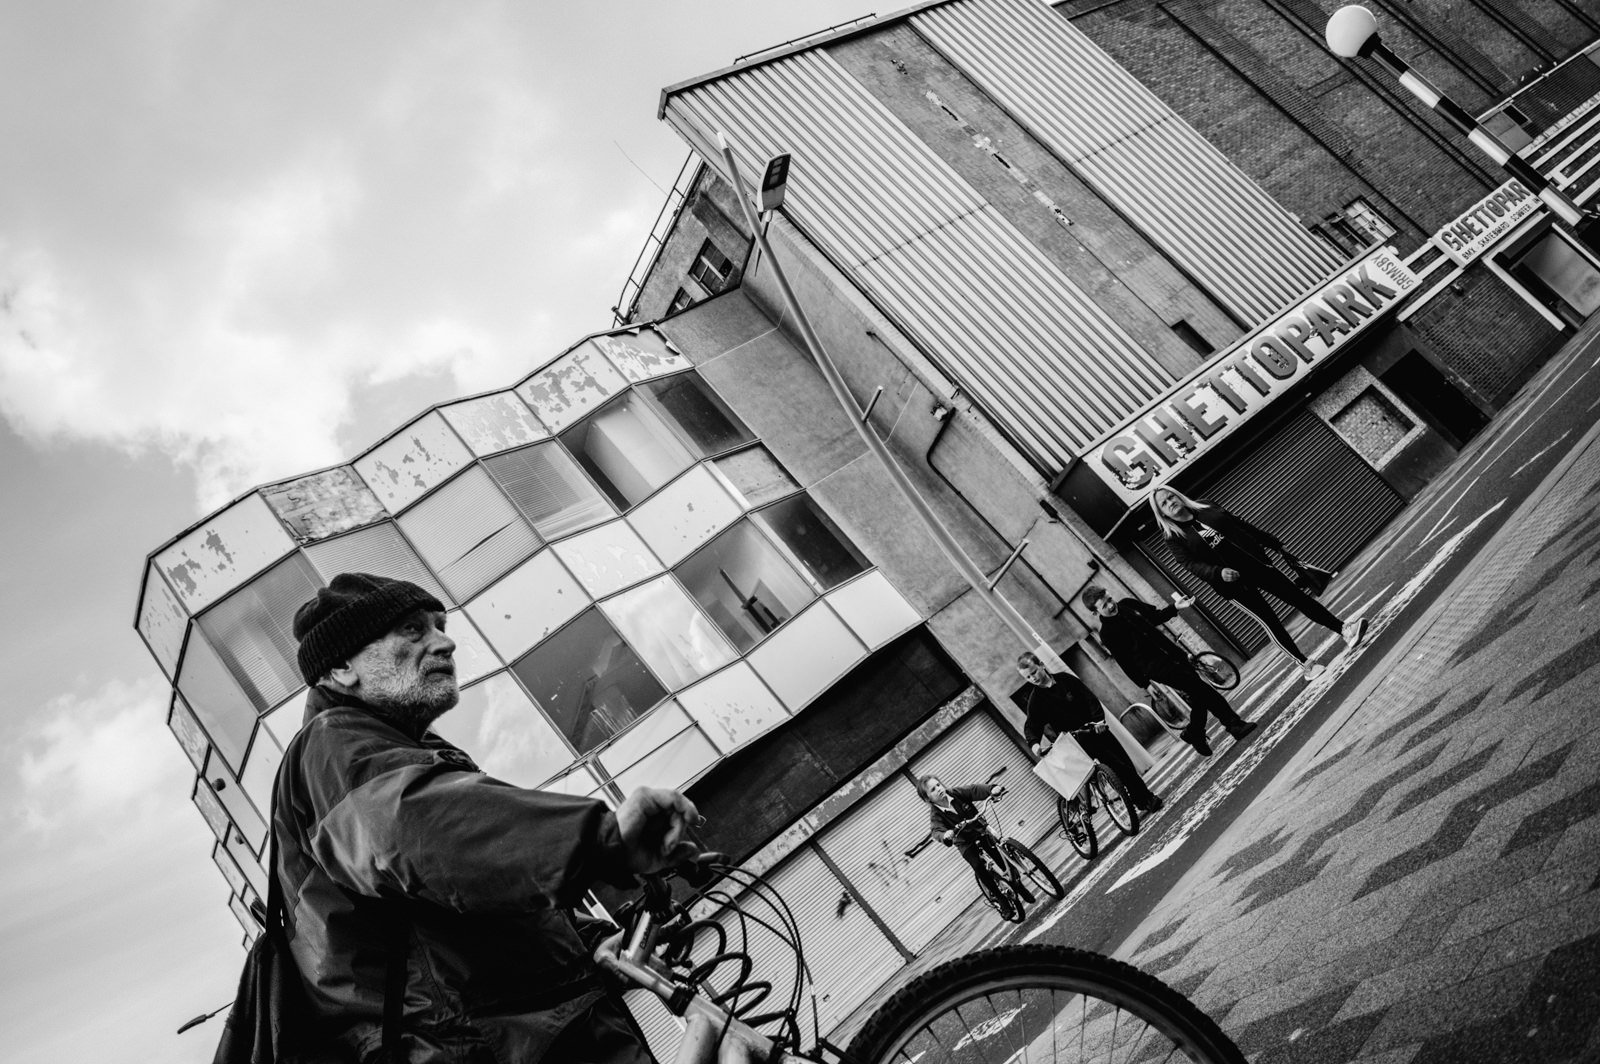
{"x":1230,"y":554}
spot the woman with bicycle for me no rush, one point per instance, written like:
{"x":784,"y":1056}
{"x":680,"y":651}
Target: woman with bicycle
{"x":1131,"y":632}
{"x":1230,"y":554}
{"x":951,"y":812}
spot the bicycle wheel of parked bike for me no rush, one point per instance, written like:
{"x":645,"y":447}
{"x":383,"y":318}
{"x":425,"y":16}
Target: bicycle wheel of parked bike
{"x":1039,"y":1003}
{"x":1078,"y":826}
{"x":1036,"y":871}
{"x":1110,"y":793}
{"x":1216,"y":670}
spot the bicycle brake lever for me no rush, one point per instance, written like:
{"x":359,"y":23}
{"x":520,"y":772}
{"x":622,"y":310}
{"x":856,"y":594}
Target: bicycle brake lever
{"x":701,"y":869}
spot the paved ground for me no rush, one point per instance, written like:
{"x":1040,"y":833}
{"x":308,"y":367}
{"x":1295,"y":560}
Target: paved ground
{"x":1422,"y":883}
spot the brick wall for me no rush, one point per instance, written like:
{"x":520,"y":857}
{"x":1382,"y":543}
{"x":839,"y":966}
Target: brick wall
{"x":1486,"y":333}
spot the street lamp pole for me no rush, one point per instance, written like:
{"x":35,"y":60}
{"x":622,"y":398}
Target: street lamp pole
{"x":974,"y":576}
{"x":1353,"y":31}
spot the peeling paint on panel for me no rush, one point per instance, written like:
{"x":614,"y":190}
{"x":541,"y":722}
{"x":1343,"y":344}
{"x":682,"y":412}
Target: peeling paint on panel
{"x":324,"y":504}
{"x":574,"y":385}
{"x":224,"y":552}
{"x":494,"y":423}
{"x":421,"y":456}
{"x":162,"y":621}
{"x":685,"y":514}
{"x":641,"y":355}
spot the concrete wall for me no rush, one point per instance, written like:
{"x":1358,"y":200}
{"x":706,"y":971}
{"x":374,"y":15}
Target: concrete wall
{"x":710,"y":212}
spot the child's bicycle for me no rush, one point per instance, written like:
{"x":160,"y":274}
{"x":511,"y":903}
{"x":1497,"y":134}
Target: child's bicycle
{"x":1076,"y":813}
{"x":1012,"y":1003}
{"x":1006,"y":863}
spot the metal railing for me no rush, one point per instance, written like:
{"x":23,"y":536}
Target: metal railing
{"x":627,"y":302}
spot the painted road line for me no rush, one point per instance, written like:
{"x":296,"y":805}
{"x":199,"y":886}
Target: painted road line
{"x":1538,"y":456}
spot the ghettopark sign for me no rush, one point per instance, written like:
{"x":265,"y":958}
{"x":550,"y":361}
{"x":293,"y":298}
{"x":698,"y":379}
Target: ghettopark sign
{"x":1161,"y":440}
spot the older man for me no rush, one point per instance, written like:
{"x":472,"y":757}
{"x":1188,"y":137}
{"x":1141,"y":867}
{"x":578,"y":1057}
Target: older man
{"x":409,"y":876}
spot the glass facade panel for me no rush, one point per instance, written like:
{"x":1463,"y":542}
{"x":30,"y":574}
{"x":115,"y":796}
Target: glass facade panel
{"x":223,"y":552}
{"x":530,"y":603}
{"x":649,"y":732}
{"x":801,"y":525}
{"x":181,"y":720}
{"x":162,"y":621}
{"x":628,"y":449}
{"x":469,"y":533}
{"x":229,"y":869}
{"x":250,"y":860}
{"x":474,"y":657}
{"x":211,"y":809}
{"x":550,"y":490}
{"x":580,"y":782}
{"x":241,"y":913}
{"x":571,"y":387}
{"x":419,"y":457}
{"x":252,"y":630}
{"x":494,"y":423}
{"x":588,"y":681}
{"x":642,"y":354}
{"x":505,"y":733}
{"x":745,"y":584}
{"x":225,"y":785}
{"x":702,"y":418}
{"x":733,"y":706}
{"x":284,"y":722}
{"x":324,"y":504}
{"x":684,"y":515}
{"x":607,"y":558}
{"x":218,"y":702}
{"x":755,"y":477}
{"x":807,"y":656}
{"x":873,"y":609}
{"x":380,"y":550}
{"x":669,"y":632}
{"x":261,"y":769}
{"x":672,"y":765}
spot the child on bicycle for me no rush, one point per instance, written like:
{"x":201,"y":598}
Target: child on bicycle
{"x":1131,"y":633}
{"x":951,"y":811}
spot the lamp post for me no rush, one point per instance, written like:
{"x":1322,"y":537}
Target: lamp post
{"x":1352,"y":31}
{"x":982,"y":586}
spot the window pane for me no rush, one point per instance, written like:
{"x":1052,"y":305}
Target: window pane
{"x":755,"y":476}
{"x":225,"y":785}
{"x":324,"y":504}
{"x":628,"y":450}
{"x":589,"y":682}
{"x":420,"y":456}
{"x":645,"y":736}
{"x":570,"y":387}
{"x":642,"y":354}
{"x":474,"y":657}
{"x":672,"y":765}
{"x":162,"y":621}
{"x":379,"y":550}
{"x":607,"y":558}
{"x":494,"y":423}
{"x":228,"y":549}
{"x":705,"y":421}
{"x":190,"y":737}
{"x":685,"y":514}
{"x":733,"y":706}
{"x":533,"y":601}
{"x":549,"y":489}
{"x":229,"y":869}
{"x":252,"y":631}
{"x":505,"y":733}
{"x":469,"y":533}
{"x":745,"y":584}
{"x":261,"y":769}
{"x":673,"y":637}
{"x":800,"y":525}
{"x":221,"y":707}
{"x":285,"y":721}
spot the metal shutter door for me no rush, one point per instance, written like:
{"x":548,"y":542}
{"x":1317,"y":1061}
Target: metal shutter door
{"x":915,"y":896}
{"x":968,"y":752}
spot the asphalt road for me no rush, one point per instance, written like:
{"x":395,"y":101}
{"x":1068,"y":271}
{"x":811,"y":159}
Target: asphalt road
{"x":1394,"y":580}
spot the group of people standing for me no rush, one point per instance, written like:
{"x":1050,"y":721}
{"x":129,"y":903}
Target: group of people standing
{"x":1231,"y":556}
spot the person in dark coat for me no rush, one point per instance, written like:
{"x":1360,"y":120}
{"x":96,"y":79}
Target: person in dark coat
{"x":382,"y":826}
{"x":949,"y":808}
{"x":1058,"y":703}
{"x":1230,"y":554}
{"x":1131,"y":632}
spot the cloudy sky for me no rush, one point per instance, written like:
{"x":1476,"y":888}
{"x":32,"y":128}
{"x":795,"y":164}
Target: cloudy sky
{"x":238,"y":242}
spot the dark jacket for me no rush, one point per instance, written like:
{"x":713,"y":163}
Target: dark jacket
{"x":374,"y":826}
{"x":1243,"y":547}
{"x":1064,"y":706}
{"x":1133,"y":636}
{"x":964,"y":806}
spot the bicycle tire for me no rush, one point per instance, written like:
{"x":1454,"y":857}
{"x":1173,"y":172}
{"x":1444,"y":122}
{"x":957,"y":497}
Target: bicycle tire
{"x":1078,"y":826}
{"x":1037,"y":872}
{"x":959,"y":1012}
{"x":1114,"y":800}
{"x":1216,"y":670}
{"x":1000,"y":894}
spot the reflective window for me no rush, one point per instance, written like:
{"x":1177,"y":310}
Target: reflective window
{"x":645,"y":735}
{"x":704,"y":420}
{"x":218,"y":702}
{"x":550,"y":489}
{"x":669,"y":632}
{"x":379,"y":550}
{"x":420,"y":456}
{"x":250,"y":859}
{"x":607,"y":558}
{"x":672,"y":764}
{"x":324,"y":504}
{"x":628,"y":449}
{"x":530,"y":603}
{"x":469,"y":533}
{"x":684,"y":514}
{"x":225,"y":551}
{"x":229,"y":869}
{"x":261,"y":769}
{"x":733,"y":706}
{"x":474,"y":657}
{"x":494,"y":423}
{"x":190,"y":737}
{"x":588,"y":681}
{"x":800,"y":525}
{"x":225,"y":785}
{"x":873,"y":609}
{"x":211,"y":809}
{"x":252,"y":630}
{"x":505,"y":733}
{"x":641,"y":354}
{"x":285,"y":721}
{"x":807,"y":656}
{"x":745,"y":584}
{"x":162,"y":621}
{"x":571,"y":386}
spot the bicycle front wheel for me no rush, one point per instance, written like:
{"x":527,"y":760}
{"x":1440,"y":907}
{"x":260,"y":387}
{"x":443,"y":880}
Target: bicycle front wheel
{"x":1216,"y":670}
{"x":1039,"y":1003}
{"x":1037,"y":871}
{"x":1114,"y":797}
{"x":1077,"y":826}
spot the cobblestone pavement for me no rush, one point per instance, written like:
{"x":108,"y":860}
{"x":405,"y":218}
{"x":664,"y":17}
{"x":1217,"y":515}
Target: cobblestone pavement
{"x":1422,"y":883}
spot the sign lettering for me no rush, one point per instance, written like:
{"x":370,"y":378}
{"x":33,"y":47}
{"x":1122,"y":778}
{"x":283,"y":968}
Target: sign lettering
{"x":1491,"y":218}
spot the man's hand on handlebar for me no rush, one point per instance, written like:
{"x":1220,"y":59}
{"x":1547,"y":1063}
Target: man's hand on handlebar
{"x":654,"y":824}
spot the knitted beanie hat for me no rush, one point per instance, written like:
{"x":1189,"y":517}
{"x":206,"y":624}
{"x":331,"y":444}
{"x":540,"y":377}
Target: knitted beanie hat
{"x":349,"y":613}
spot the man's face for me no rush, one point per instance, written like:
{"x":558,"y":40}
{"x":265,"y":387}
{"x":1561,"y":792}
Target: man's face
{"x":410,"y":671}
{"x":1105,"y":606}
{"x":1033,"y":670}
